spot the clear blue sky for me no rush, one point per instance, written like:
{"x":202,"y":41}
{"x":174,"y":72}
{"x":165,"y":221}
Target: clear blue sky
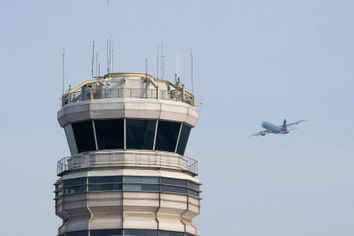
{"x":255,"y":60}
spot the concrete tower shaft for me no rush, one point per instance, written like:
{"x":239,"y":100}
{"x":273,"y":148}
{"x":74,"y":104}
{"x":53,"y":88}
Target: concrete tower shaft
{"x":127,"y":173}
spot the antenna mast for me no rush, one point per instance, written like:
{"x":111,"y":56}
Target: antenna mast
{"x":177,"y":68}
{"x":162,"y":62}
{"x":146,"y":67}
{"x":63,"y":71}
{"x":99,"y":69}
{"x":157,"y":61}
{"x":112,"y":61}
{"x":110,"y":56}
{"x":93,"y":58}
{"x":96,"y":64}
{"x":157,"y":67}
{"x":192,"y":71}
{"x":107,"y":56}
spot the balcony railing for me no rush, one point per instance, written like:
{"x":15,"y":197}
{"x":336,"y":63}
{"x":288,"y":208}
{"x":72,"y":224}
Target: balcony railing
{"x":110,"y":93}
{"x":127,"y":159}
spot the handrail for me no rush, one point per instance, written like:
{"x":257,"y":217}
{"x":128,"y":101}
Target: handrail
{"x":127,"y":159}
{"x":110,"y":93}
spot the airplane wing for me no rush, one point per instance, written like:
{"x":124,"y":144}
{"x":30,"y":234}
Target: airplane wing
{"x":262,"y":133}
{"x":295,"y":123}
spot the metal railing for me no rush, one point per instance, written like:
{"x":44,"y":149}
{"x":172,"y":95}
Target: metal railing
{"x":127,"y":159}
{"x":109,"y":93}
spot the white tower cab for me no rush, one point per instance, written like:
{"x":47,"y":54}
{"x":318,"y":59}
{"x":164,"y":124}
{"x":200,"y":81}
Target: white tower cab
{"x":127,"y":173}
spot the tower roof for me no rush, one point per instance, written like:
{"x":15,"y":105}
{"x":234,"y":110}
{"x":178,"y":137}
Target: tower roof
{"x":128,"y":85}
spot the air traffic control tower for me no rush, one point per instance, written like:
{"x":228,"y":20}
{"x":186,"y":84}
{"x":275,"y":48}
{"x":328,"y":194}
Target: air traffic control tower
{"x":127,"y":173}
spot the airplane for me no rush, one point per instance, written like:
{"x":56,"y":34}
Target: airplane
{"x":276,"y":129}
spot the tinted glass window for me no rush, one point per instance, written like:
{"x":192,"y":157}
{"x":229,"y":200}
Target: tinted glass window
{"x":104,"y":187}
{"x":193,"y":186}
{"x":139,"y":179}
{"x":56,"y":193}
{"x":106,"y":232}
{"x":140,"y":232}
{"x":167,"y":134}
{"x":105,"y":179}
{"x":193,"y":193}
{"x":178,"y":182}
{"x":127,"y":183}
{"x":172,"y":189}
{"x":169,"y":233}
{"x":77,"y":233}
{"x":140,"y":134}
{"x":183,"y":139}
{"x":71,"y":139}
{"x":140,"y":187}
{"x":110,"y":134}
{"x":76,"y":189}
{"x":84,"y":137}
{"x":74,"y":182}
{"x":74,"y":185}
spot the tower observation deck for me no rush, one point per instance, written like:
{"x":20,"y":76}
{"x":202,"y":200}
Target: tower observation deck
{"x":127,"y":173}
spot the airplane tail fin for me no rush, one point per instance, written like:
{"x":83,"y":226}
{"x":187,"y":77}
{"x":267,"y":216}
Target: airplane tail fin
{"x":284,"y":125}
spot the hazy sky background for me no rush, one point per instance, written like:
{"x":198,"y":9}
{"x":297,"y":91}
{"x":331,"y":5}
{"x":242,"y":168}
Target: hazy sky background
{"x":255,"y":60}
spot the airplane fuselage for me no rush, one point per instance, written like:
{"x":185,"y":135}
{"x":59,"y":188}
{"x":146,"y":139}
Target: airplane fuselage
{"x":273,"y":128}
{"x":276,"y":129}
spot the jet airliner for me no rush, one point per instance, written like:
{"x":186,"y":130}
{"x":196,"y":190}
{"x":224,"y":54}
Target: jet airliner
{"x":276,"y":129}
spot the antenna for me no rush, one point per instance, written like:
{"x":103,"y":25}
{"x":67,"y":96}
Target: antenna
{"x":162,"y":62}
{"x":107,"y":57}
{"x":177,"y":67}
{"x":157,"y":61}
{"x":146,"y":66}
{"x":112,"y":60}
{"x":110,"y":56}
{"x":63,"y":70}
{"x":146,"y":72}
{"x":158,"y":66}
{"x":93,"y":58}
{"x":192,"y":71}
{"x":96,"y":64}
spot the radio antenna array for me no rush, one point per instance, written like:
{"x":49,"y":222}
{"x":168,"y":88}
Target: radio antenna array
{"x":192,"y":71}
{"x":107,"y":44}
{"x":177,"y":68}
{"x":110,"y":58}
{"x":157,"y":71}
{"x":63,"y":71}
{"x":162,"y":62}
{"x":146,"y":67}
{"x":96,"y":65}
{"x":99,"y":69}
{"x":112,"y":61}
{"x":93,"y":59}
{"x":157,"y":61}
